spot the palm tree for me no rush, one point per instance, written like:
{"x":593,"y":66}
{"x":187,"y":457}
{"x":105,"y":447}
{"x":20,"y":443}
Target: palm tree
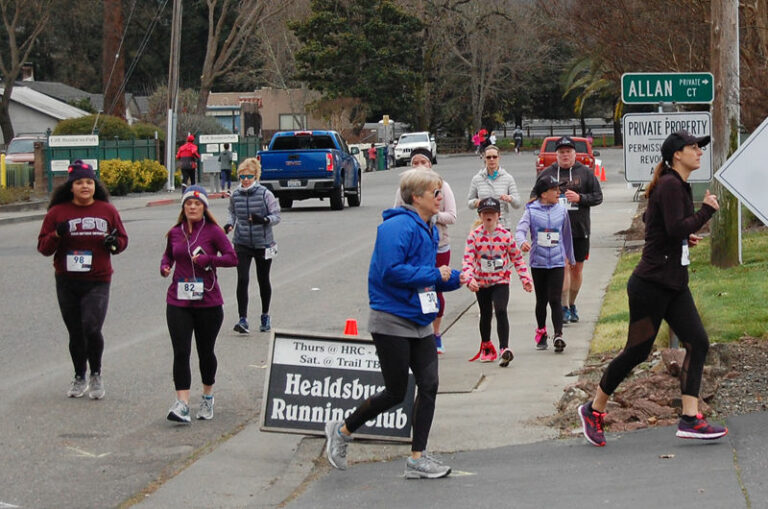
{"x":590,"y":77}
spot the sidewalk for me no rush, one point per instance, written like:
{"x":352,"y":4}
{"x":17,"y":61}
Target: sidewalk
{"x":479,"y":407}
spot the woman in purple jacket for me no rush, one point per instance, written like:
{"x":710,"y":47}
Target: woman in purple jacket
{"x":551,"y":246}
{"x":196,"y":246}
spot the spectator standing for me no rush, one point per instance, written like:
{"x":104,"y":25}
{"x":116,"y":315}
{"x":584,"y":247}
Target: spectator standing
{"x":580,"y":191}
{"x":82,"y":231}
{"x":488,"y":256}
{"x":196,"y":246}
{"x":422,"y":158}
{"x":551,"y":247}
{"x":494,"y":182}
{"x":372,"y":158}
{"x":658,"y":289}
{"x":253,"y":212}
{"x":188,"y":157}
{"x":402,"y":281}
{"x":225,"y":168}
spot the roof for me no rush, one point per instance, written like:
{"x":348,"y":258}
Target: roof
{"x":56,"y":89}
{"x":232,"y":99}
{"x":44,"y":104}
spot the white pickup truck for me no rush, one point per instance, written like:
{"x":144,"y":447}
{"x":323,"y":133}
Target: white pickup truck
{"x":409,"y":141}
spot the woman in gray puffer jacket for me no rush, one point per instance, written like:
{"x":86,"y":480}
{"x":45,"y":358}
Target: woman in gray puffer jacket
{"x":494,"y":182}
{"x":253,"y":211}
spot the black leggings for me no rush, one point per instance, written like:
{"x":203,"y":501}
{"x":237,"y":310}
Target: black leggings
{"x":396,"y":354}
{"x":649,"y":303}
{"x":205,"y":323}
{"x":548,"y":284}
{"x":83,"y":306}
{"x":494,"y":299}
{"x":188,"y":176}
{"x":244,"y":257}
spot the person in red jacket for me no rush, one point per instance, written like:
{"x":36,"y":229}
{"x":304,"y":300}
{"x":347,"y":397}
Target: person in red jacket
{"x":82,"y":230}
{"x":189,"y":156}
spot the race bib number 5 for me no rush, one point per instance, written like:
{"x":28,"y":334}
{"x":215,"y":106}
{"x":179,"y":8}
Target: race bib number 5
{"x":79,"y":261}
{"x":548,"y":238}
{"x":428,"y":299}
{"x":189,"y":289}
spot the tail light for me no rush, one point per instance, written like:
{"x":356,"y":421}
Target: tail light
{"x":328,"y":162}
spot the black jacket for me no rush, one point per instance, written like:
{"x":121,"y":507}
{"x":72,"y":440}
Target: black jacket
{"x":581,"y":180}
{"x":669,"y":220}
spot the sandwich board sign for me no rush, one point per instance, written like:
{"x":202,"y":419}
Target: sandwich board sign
{"x":314,"y":378}
{"x":744,"y":174}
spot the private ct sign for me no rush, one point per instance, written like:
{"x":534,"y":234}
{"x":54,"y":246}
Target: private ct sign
{"x":645,"y":132}
{"x":668,"y":87}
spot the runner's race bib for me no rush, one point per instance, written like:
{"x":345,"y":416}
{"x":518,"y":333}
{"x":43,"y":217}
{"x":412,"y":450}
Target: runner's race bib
{"x":548,"y":238}
{"x":428,"y":299}
{"x":685,"y":258}
{"x":189,"y":289}
{"x":271,"y":251}
{"x":568,"y":205}
{"x":79,"y":261}
{"x":491,"y":264}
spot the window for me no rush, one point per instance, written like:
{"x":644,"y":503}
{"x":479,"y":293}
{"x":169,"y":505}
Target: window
{"x":414,"y":138}
{"x":291,"y":121}
{"x":303,"y":142}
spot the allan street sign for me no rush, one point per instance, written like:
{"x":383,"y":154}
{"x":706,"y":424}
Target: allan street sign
{"x":669,"y":87}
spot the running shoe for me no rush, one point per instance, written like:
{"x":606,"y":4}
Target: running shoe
{"x":439,"y":344}
{"x":541,"y":339}
{"x":574,"y":314}
{"x":242,"y":326}
{"x":426,"y":467}
{"x":559,"y":344}
{"x":592,"y":425}
{"x":78,"y":387}
{"x":205,"y":412}
{"x":336,"y":444}
{"x":266,"y":324}
{"x":566,"y":314}
{"x":96,"y":386}
{"x":488,"y":352}
{"x":179,"y":412}
{"x":505,"y":357}
{"x":700,"y":428}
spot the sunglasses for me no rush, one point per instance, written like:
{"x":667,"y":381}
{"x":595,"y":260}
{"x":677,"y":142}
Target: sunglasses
{"x":247,"y":177}
{"x":491,"y":157}
{"x":438,"y":192}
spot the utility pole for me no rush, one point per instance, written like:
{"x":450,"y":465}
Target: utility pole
{"x":726,"y":230}
{"x":112,"y":61}
{"x":173,"y":94}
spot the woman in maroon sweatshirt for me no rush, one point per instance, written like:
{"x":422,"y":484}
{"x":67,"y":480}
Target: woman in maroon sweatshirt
{"x":196,"y":247}
{"x":82,"y":230}
{"x":658,"y":289}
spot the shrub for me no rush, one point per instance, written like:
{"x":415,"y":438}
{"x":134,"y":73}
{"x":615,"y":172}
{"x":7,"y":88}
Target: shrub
{"x":146,"y":131}
{"x":118,"y":175}
{"x":108,"y":126}
{"x":150,"y":176}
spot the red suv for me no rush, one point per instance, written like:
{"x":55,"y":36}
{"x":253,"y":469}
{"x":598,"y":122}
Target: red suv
{"x":547,"y":155}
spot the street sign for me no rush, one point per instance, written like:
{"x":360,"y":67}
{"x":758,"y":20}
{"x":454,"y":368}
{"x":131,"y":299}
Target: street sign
{"x":645,"y":132}
{"x":670,"y":87}
{"x":744,"y":174}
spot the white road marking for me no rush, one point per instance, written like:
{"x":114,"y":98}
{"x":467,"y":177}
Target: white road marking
{"x":85,"y":454}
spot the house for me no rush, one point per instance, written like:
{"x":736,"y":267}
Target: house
{"x":35,"y":112}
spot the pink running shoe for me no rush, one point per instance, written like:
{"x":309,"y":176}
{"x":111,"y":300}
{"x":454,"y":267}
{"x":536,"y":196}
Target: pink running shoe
{"x":487,"y":352}
{"x":506,"y":357}
{"x":541,"y":339}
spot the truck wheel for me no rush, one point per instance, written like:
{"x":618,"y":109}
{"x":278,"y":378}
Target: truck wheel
{"x":337,"y":197}
{"x":285,"y":203}
{"x":354,"y":199}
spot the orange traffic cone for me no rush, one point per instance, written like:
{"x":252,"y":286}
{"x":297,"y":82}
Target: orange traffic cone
{"x":603,"y":178}
{"x":350,"y":329}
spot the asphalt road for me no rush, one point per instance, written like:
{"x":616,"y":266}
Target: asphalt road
{"x":61,"y":452}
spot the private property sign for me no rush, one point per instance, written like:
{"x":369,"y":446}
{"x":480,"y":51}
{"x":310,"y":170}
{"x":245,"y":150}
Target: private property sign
{"x":645,"y":132}
{"x":671,"y":87}
{"x":314,"y":379}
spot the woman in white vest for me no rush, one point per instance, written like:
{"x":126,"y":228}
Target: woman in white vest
{"x":493,"y":181}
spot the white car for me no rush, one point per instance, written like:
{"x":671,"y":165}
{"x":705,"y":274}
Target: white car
{"x":409,"y":141}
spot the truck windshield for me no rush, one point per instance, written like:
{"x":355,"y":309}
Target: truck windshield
{"x":413,"y":138}
{"x":303,"y":142}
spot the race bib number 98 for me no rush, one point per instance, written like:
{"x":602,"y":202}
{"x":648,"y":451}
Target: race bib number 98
{"x":79,"y":261}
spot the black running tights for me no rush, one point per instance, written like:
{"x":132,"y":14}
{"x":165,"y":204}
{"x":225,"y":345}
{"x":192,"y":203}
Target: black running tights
{"x":396,"y":355}
{"x":649,"y":303}
{"x":548,"y":284}
{"x":494,"y":299}
{"x":244,"y":257}
{"x":205,"y":324}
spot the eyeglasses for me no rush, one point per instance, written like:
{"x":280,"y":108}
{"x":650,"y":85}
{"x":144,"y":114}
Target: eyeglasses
{"x":491,"y":157}
{"x":247,"y":177}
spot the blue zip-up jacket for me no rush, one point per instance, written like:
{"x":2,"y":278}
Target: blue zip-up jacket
{"x":249,"y":200}
{"x":539,"y":217}
{"x":402,"y":263}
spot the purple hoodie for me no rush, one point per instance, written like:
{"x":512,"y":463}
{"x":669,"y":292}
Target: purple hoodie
{"x":218,"y":253}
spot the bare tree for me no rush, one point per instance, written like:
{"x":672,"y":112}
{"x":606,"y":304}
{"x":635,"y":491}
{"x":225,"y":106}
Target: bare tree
{"x":23,"y":21}
{"x":231,"y":28}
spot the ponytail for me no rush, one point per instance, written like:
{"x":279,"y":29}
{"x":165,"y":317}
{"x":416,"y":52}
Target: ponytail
{"x":657,"y":173}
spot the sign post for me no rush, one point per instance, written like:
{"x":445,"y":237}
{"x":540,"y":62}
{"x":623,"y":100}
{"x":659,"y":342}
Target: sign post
{"x":670,"y":87}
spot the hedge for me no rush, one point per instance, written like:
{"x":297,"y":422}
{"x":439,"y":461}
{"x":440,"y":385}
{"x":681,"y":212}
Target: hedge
{"x":122,"y":177}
